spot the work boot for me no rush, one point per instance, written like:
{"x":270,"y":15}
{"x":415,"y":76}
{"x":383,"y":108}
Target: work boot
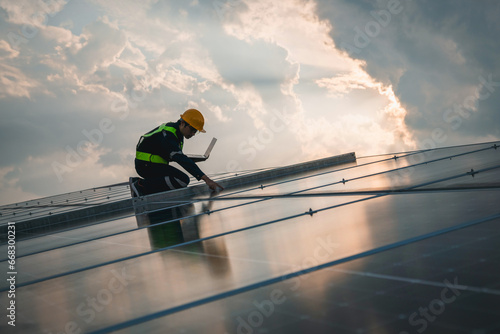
{"x":136,"y":189}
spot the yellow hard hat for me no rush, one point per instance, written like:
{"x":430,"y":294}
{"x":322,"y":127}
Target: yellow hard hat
{"x":194,"y":118}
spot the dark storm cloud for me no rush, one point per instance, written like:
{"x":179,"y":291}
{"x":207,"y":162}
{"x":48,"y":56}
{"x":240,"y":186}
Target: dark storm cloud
{"x":439,"y":56}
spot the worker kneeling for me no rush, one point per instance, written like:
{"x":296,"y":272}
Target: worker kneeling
{"x":162,"y":145}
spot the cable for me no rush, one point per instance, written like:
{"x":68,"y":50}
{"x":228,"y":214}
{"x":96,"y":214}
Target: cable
{"x":280,"y":278}
{"x":310,"y":212}
{"x":259,"y":200}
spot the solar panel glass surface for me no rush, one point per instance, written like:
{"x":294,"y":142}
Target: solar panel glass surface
{"x":356,"y":248}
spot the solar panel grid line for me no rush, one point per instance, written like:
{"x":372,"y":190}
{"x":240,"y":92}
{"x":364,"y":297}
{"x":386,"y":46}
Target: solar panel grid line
{"x":329,"y":172}
{"x":252,"y":202}
{"x":409,"y":188}
{"x":27,"y":230}
{"x":91,"y":193}
{"x":267,"y":327}
{"x":309,"y":176}
{"x":298,"y":319}
{"x":198,"y":200}
{"x":63,"y":205}
{"x":143,"y":204}
{"x":376,"y":275}
{"x":103,"y":187}
{"x":91,"y":197}
{"x":311,"y":212}
{"x":464,"y":287}
{"x":35,"y":232}
{"x":333,"y":183}
{"x":153,"y":251}
{"x":131,"y":230}
{"x":395,"y":320}
{"x":360,"y":192}
{"x":93,"y":189}
{"x":174,"y":250}
{"x":494,"y":143}
{"x":241,"y":172}
{"x":354,"y":302}
{"x":55,"y":207}
{"x":455,"y":176}
{"x":58,"y":208}
{"x":8,"y":206}
{"x":396,"y":169}
{"x":495,"y":292}
{"x":374,"y":328}
{"x":418,"y":257}
{"x":43,"y":199}
{"x":66,"y":198}
{"x":67,"y":204}
{"x":224,"y":196}
{"x":253,"y":286}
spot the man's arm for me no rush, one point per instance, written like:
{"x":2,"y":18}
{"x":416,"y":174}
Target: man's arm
{"x":194,"y":170}
{"x":175,"y":154}
{"x":172,"y":152}
{"x":187,"y":164}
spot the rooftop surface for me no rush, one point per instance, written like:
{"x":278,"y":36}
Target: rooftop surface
{"x":396,"y":243}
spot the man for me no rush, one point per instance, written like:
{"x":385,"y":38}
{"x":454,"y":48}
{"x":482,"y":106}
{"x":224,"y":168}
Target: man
{"x":160,"y":146}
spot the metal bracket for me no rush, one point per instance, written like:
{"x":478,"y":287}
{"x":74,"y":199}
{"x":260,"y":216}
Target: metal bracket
{"x":472,"y":172}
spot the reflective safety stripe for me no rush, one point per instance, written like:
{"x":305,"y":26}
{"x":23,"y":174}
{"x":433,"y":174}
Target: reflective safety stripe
{"x":169,"y":184}
{"x":166,"y":128}
{"x":150,"y":157}
{"x":153,"y":157}
{"x":183,"y":184}
{"x":174,"y":153}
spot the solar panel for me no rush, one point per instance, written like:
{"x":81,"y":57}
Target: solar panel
{"x":394,"y":243}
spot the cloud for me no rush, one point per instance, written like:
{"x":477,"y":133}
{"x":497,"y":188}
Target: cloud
{"x":215,"y":110}
{"x":278,"y":82}
{"x":294,"y":26}
{"x":31,"y":13}
{"x":73,"y":82}
{"x":102,"y":44}
{"x":340,"y":85}
{"x":432,"y":53}
{"x":14,"y":83}
{"x":11,"y":191}
{"x":312,"y":58}
{"x":6,"y":51}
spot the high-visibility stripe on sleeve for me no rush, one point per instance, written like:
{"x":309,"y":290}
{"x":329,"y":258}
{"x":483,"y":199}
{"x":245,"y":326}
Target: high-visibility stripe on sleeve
{"x":174,"y":153}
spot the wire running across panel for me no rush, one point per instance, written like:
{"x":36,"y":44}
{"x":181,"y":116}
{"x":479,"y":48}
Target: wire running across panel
{"x":144,"y":241}
{"x":74,"y":235}
{"x":226,"y":252}
{"x":63,"y":203}
{"x":233,"y":262}
{"x":125,"y":245}
{"x":444,"y":284}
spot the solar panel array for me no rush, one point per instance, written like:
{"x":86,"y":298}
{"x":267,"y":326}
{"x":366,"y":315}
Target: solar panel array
{"x":397,"y":243}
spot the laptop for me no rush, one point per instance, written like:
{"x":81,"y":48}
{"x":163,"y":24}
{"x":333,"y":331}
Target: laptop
{"x":198,"y":157}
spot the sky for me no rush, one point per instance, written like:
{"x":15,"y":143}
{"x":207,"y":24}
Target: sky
{"x":279,"y":82}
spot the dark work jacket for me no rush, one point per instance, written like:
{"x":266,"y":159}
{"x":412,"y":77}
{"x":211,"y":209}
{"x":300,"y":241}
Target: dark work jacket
{"x":169,"y":147}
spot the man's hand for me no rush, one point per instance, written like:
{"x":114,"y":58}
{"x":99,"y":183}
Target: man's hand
{"x":211,"y":184}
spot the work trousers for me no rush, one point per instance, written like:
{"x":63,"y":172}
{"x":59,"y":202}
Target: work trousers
{"x":160,"y":177}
